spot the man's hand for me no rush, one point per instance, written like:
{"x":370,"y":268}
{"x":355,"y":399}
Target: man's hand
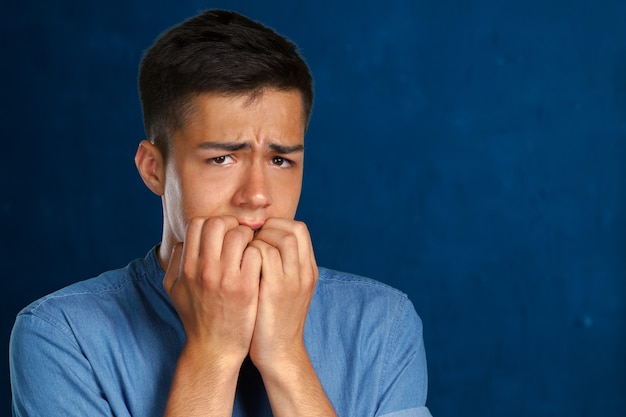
{"x":238,"y":293}
{"x":288,"y":279}
{"x":213,"y":281}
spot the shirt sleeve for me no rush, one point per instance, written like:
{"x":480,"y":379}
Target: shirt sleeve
{"x":405,"y":378}
{"x":49,"y":374}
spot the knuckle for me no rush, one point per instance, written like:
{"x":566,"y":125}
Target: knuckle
{"x":195,"y":222}
{"x":290,"y":240}
{"x":187,"y":271}
{"x":215,"y":223}
{"x":207,"y":277}
{"x":235,"y":288}
{"x":221,"y":222}
{"x":272,"y":252}
{"x":252,"y":250}
{"x":300,"y":227}
{"x":239,"y":234}
{"x":227,"y":285}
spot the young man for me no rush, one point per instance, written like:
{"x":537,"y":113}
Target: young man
{"x":230,"y":314}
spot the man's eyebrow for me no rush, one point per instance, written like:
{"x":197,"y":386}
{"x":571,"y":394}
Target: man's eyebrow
{"x":285,"y":149}
{"x":237,"y":146}
{"x":225,"y":146}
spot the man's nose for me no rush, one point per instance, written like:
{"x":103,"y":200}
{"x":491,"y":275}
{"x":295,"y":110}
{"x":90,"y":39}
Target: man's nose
{"x":254,"y":190}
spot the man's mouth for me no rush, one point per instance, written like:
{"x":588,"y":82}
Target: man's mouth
{"x":256,"y":226}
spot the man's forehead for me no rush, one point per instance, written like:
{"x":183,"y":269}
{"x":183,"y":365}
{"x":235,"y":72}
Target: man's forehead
{"x":273,"y":117}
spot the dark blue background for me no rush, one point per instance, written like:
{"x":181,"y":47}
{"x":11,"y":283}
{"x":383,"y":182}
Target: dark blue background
{"x":471,"y":153}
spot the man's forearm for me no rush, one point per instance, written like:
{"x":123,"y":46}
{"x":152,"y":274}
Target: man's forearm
{"x":202,"y":386}
{"x":294,"y":390}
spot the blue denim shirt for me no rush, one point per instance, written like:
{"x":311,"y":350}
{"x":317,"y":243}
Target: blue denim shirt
{"x":108,"y":346}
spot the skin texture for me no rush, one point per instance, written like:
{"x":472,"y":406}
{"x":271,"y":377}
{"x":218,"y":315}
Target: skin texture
{"x":239,"y":270}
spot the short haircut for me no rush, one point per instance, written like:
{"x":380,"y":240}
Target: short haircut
{"x":219,"y":52}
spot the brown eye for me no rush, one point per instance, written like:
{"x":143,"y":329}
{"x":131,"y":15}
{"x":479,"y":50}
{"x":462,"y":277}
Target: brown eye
{"x":282,"y":162}
{"x":220,"y":160}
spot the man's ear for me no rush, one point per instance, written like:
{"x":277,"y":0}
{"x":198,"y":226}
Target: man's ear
{"x":151,"y":167}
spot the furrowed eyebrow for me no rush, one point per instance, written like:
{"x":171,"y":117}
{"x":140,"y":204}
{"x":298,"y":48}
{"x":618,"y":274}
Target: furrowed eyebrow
{"x":285,"y":149}
{"x":237,"y":146}
{"x":225,"y":146}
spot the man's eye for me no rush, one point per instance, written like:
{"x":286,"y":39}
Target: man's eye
{"x":221,"y":160}
{"x":281,"y":162}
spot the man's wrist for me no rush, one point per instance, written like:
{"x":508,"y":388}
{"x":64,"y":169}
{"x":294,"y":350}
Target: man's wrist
{"x":221,"y":362}
{"x":282,"y":365}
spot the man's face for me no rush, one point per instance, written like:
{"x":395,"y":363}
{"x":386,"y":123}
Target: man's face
{"x":238,"y":157}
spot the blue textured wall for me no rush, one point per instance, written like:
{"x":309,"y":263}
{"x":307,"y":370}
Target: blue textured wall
{"x":472,"y":154}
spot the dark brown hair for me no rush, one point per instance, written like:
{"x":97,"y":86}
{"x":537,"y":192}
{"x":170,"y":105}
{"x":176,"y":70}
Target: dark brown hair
{"x":215,"y":52}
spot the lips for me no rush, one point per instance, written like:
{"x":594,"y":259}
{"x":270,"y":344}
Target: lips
{"x":255,"y":226}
